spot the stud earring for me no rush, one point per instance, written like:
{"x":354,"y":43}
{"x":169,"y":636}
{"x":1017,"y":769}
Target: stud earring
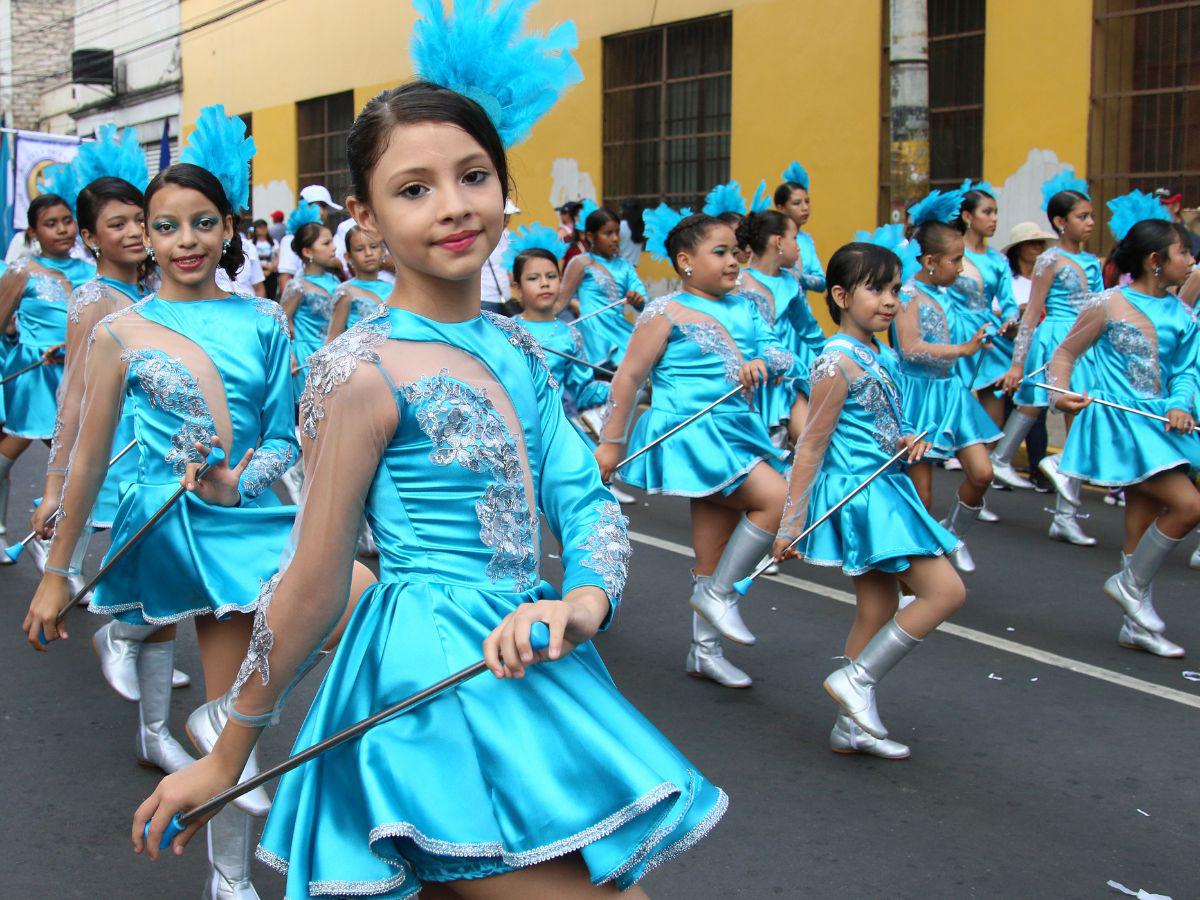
{"x":225,"y":245}
{"x":95,"y":249}
{"x":931,"y":270}
{"x":687,"y":270}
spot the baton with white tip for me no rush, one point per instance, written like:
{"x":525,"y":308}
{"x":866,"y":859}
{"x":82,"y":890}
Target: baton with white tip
{"x":584,"y":362}
{"x":688,"y":421}
{"x":596,"y":312}
{"x":1129,"y":409}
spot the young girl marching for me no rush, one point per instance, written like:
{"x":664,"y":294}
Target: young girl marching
{"x":855,"y":422}
{"x":792,"y":198}
{"x":307,"y":300}
{"x":694,"y":346}
{"x":357,"y":298}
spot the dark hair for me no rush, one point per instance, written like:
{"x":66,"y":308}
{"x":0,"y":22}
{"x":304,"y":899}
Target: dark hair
{"x":410,"y":104}
{"x":40,"y":204}
{"x":732,"y":219}
{"x":1061,"y":204}
{"x":186,"y":175}
{"x":101,"y":191}
{"x":257,"y":222}
{"x":598,"y":218}
{"x":856,"y":264}
{"x":525,"y":256}
{"x":307,"y":235}
{"x":935,"y":237}
{"x":783,"y":193}
{"x":687,"y":234}
{"x":758,"y":227}
{"x":631,"y":213}
{"x":1146,"y":237}
{"x":971,"y":201}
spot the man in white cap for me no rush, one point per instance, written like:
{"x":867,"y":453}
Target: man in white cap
{"x":289,"y":262}
{"x":495,"y":286}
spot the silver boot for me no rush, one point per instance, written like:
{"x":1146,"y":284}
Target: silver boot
{"x":847,"y":737}
{"x":853,"y":685}
{"x":715,"y":599}
{"x":1135,"y":637}
{"x":620,"y":496}
{"x":1194,"y":562}
{"x":1065,"y":525}
{"x":1130,"y":588}
{"x":117,"y":645}
{"x":958,"y":523}
{"x":706,"y":657}
{"x":156,"y":746}
{"x":1016,"y":429}
{"x":230,"y":848}
{"x":204,"y":726}
{"x":985,"y":514}
{"x":1067,"y":488}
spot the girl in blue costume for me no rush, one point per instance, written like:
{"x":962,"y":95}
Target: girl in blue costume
{"x":307,"y":300}
{"x":599,"y":278}
{"x":1063,"y":279}
{"x":1141,"y":343}
{"x":792,"y":198}
{"x":937,"y":400}
{"x":694,"y":345}
{"x":447,"y":427}
{"x":37,"y":291}
{"x":357,"y":298}
{"x":855,"y":422}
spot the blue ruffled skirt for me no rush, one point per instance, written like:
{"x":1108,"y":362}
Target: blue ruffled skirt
{"x":605,"y":336}
{"x":31,"y":400}
{"x":949,"y":412}
{"x":773,"y":401}
{"x":1045,"y":341}
{"x":978,"y":372}
{"x":1112,"y":448}
{"x":485,"y":779}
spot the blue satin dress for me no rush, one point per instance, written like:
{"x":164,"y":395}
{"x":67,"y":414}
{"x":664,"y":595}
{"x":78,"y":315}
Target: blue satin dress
{"x":30,"y":400}
{"x":606,"y":281}
{"x":1069,"y":293}
{"x":936,"y":399}
{"x":310,"y":322}
{"x":974,"y":303}
{"x":698,"y":347}
{"x":884,"y":525}
{"x":360,"y":307}
{"x":495,"y":775}
{"x":810,"y":270}
{"x":581,"y":390}
{"x":1112,"y":448}
{"x":201,"y":558}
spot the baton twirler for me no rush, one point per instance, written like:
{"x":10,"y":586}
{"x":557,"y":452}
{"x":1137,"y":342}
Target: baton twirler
{"x":603,"y":371}
{"x":29,"y":368}
{"x":539,"y":638}
{"x":744,"y":585}
{"x":688,"y":421}
{"x":1129,"y":409}
{"x":596,"y":312}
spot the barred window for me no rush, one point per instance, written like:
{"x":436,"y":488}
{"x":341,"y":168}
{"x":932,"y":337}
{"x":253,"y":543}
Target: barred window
{"x":956,"y":29}
{"x":667,"y":111}
{"x":321,"y":128}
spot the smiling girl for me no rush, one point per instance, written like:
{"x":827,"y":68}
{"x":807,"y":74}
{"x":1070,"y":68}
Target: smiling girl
{"x":307,"y":300}
{"x":364,"y":293}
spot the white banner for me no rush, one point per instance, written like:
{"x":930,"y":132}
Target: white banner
{"x":32,"y":153}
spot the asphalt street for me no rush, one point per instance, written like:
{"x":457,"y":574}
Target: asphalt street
{"x":1046,"y":759}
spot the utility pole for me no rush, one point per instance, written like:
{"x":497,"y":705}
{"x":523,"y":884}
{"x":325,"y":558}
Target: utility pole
{"x":909,"y":69}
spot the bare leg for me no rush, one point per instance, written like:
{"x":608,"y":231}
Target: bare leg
{"x":798,"y":414}
{"x":565,"y":878}
{"x":922,"y":478}
{"x":760,"y":497}
{"x":875,"y":605}
{"x":1176,"y":496}
{"x":993,"y":405}
{"x":222,"y":648}
{"x":13,"y":447}
{"x":940,"y":594}
{"x":164,"y":634}
{"x":977,"y":472}
{"x":711,"y":527}
{"x":1140,"y":512}
{"x":360,"y":579}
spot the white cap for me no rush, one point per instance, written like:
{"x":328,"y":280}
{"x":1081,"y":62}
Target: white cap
{"x":510,"y":208}
{"x":318,"y":193}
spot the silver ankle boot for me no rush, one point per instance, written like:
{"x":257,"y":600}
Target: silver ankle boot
{"x":117,"y":644}
{"x":1065,"y":525}
{"x":958,"y":523}
{"x":847,"y":737}
{"x":706,"y":657}
{"x":204,"y":726}
{"x":1067,"y":488}
{"x":985,"y":514}
{"x":1016,"y":429}
{"x":1130,"y":588}
{"x":715,"y":599}
{"x":1194,"y":562}
{"x":156,"y":746}
{"x":853,"y":685}
{"x":230,"y":848}
{"x":1135,"y":637}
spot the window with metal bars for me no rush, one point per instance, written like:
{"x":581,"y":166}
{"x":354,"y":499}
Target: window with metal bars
{"x":956,"y":30}
{"x":667,"y":112}
{"x":1145,"y":115}
{"x":321,"y":128}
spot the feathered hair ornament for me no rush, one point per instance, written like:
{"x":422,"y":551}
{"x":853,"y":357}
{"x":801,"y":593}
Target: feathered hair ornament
{"x":761,"y":201}
{"x":113,"y":154}
{"x":484,"y":54}
{"x":659,"y":222}
{"x":302,"y":215}
{"x":60,"y":179}
{"x":587,"y":207}
{"x":795,"y":174}
{"x":983,"y":187}
{"x":534,"y":237}
{"x":939,"y":206}
{"x":1063,"y":181}
{"x":892,"y":237}
{"x":725,"y":198}
{"x":1129,"y":209}
{"x":219,"y":144}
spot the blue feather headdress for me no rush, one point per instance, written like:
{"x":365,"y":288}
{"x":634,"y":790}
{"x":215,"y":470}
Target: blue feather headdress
{"x":534,"y":237}
{"x":113,"y":154}
{"x":939,"y":206}
{"x":725,"y":198}
{"x":795,"y":174}
{"x":982,"y":186}
{"x":219,"y":144}
{"x":761,"y":201}
{"x":588,"y":206}
{"x":1129,"y":209}
{"x":302,"y":215}
{"x":62,"y":180}
{"x":483,"y":54}
{"x":659,"y":222}
{"x":892,"y":237}
{"x":1063,"y":181}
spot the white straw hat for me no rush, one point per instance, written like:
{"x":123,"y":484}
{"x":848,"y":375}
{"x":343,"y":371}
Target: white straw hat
{"x":1027,"y":231}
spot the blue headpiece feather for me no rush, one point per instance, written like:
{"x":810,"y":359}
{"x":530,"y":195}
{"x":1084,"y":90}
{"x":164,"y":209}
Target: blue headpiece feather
{"x":483,"y":54}
{"x":1063,"y":181}
{"x":219,"y":144}
{"x":761,"y":201}
{"x":534,"y":237}
{"x":892,"y":237}
{"x":939,"y":206}
{"x":795,"y":174}
{"x":983,"y":187}
{"x":113,"y":154}
{"x":62,"y":180}
{"x":659,"y":222}
{"x":1131,"y":208}
{"x":302,"y":215}
{"x":725,"y":198}
{"x":588,"y":206}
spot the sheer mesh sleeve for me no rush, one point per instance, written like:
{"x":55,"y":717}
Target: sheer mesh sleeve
{"x":646,"y":346}
{"x":581,"y":381}
{"x":343,"y":299}
{"x":910,"y":336}
{"x":290,"y":299}
{"x":635,"y":281}
{"x":1190,"y":291}
{"x":779,"y":359}
{"x":12,"y":285}
{"x":1009,"y":311}
{"x":1044,"y":271}
{"x":277,"y":447}
{"x":572,"y":278}
{"x":1088,"y":328}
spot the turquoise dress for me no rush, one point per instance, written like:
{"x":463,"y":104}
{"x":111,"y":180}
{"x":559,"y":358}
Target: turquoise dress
{"x":360,"y":306}
{"x":854,"y":427}
{"x":606,"y":281}
{"x":313,"y":295}
{"x":1077,"y":277}
{"x":452,"y":438}
{"x":1142,"y":352}
{"x":692,"y":349}
{"x":30,"y":400}
{"x":937,"y":400}
{"x":187,"y":370}
{"x":581,"y":390}
{"x":810,"y":271}
{"x":974,"y":295}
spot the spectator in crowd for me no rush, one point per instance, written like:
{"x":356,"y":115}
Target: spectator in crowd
{"x":1173,"y":201}
{"x":496,"y":289}
{"x":278,"y":227}
{"x":633,"y":232}
{"x":268,"y":255}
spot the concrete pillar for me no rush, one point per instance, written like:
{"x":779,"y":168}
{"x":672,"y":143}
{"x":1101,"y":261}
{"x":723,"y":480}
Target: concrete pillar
{"x":909,"y":71}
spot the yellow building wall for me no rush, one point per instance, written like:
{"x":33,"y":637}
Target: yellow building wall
{"x":275,"y":143}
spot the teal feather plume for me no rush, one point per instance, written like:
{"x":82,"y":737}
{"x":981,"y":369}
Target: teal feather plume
{"x":219,"y":144}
